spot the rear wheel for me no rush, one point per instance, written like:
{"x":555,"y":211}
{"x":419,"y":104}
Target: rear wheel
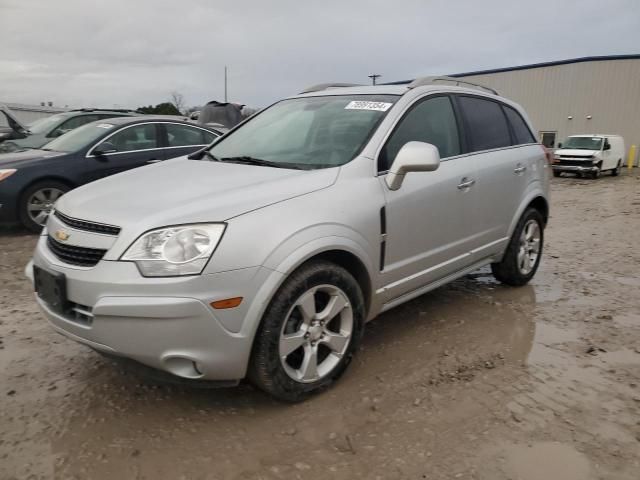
{"x":309,"y":332}
{"x":616,"y":171}
{"x":522,"y":258}
{"x":36,"y":203}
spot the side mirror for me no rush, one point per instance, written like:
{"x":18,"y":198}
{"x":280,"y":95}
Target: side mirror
{"x":607,"y":146}
{"x":560,"y":145}
{"x":104,"y":148}
{"x":412,"y":157}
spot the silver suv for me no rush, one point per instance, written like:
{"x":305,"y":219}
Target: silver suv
{"x":264,"y":255}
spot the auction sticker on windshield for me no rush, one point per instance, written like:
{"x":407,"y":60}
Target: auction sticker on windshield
{"x":364,"y":105}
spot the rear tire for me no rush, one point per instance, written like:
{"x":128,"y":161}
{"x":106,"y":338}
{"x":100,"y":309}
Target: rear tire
{"x":524,"y":251}
{"x":616,"y":171}
{"x":36,"y":202}
{"x":309,"y":332}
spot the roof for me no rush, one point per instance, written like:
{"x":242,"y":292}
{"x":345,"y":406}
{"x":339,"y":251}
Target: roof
{"x":143,"y":118}
{"x":603,"y":58}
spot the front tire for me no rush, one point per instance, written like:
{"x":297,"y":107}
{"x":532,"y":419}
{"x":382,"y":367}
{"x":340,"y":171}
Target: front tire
{"x":556,"y":173}
{"x":309,"y":332}
{"x":522,"y":258}
{"x":36,"y":203}
{"x":616,"y":171}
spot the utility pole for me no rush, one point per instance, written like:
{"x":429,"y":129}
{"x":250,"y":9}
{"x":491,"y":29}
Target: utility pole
{"x":373,"y":77}
{"x":225,"y":84}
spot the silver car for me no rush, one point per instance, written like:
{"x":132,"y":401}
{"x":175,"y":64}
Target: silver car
{"x":264,"y":255}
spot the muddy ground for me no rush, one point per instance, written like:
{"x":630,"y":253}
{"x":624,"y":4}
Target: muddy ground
{"x":472,"y":381}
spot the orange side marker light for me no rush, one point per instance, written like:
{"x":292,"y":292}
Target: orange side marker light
{"x":227,"y":303}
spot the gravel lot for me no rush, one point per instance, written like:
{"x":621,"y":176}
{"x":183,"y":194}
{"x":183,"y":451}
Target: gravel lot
{"x":472,"y":381}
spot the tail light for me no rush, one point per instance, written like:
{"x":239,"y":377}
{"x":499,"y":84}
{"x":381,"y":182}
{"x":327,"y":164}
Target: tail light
{"x":548,"y":153}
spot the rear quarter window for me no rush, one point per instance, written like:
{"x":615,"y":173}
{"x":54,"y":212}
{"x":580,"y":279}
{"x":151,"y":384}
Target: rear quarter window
{"x":519,"y":127}
{"x":485,"y":124}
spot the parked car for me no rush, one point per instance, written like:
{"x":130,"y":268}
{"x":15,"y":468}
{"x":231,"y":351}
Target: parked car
{"x":590,"y":155}
{"x":264,"y":255}
{"x":32,"y":180}
{"x":43,"y":130}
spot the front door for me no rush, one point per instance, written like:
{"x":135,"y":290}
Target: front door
{"x":429,"y":218}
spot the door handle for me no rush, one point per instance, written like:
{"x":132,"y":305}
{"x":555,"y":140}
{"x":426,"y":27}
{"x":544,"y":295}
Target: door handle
{"x":153,"y":160}
{"x":466,"y":183}
{"x":519,"y":169}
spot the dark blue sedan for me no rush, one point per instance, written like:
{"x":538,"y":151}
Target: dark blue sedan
{"x":32,"y":180}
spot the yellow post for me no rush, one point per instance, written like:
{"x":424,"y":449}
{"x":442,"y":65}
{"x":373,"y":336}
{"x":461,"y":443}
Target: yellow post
{"x":632,"y":157}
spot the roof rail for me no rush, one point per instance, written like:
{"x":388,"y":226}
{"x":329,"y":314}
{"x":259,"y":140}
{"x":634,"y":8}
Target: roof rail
{"x":418,"y":82}
{"x":325,"y":86}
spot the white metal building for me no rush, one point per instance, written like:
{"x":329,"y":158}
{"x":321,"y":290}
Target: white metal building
{"x":29,"y":113}
{"x":582,"y":95}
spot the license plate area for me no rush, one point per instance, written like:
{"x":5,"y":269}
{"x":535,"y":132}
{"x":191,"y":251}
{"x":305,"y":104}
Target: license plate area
{"x":51,"y":288}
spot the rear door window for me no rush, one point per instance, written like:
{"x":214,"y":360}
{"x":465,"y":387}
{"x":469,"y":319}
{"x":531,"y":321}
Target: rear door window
{"x":519,"y":127}
{"x":184,"y":135}
{"x":137,"y":137}
{"x":432,"y":121}
{"x":486,"y":124}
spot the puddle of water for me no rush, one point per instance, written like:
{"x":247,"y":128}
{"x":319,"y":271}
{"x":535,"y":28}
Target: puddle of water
{"x":546,"y":461}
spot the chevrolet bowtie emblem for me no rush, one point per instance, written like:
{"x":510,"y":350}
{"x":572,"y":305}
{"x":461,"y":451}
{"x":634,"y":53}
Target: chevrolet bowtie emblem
{"x":62,"y":235}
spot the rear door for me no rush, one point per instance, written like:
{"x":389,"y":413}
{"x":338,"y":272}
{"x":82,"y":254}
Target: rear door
{"x":181,"y":139}
{"x":503,"y":167}
{"x":136,"y":145}
{"x":429,"y":223}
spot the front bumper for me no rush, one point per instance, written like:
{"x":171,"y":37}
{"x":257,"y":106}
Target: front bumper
{"x":557,"y":167}
{"x":164,"y":323}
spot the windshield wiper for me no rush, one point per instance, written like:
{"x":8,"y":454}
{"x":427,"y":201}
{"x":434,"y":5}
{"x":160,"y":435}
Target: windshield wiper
{"x":258,"y":161}
{"x":198,"y":155}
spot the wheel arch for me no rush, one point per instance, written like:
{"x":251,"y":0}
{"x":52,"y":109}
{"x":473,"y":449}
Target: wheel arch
{"x":52,"y":178}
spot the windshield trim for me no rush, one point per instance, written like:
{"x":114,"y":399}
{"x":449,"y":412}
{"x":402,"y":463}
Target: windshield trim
{"x":365,"y":141}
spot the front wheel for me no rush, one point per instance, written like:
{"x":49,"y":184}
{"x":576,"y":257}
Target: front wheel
{"x":521,"y":260}
{"x":36,"y":203}
{"x":308,"y":333}
{"x":616,"y":171}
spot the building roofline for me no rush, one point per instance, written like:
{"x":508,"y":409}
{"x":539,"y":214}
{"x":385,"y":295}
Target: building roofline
{"x":554,"y":63}
{"x":602,"y":58}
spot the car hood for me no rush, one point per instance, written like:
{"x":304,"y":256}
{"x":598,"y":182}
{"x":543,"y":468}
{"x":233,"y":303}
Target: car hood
{"x":23,"y":158}
{"x":182,"y":191}
{"x":30,"y":141}
{"x":576,"y":152}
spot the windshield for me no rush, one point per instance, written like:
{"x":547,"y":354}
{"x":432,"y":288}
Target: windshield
{"x":79,"y":138}
{"x":583,"y":143}
{"x":44,"y":125}
{"x":313,"y":132}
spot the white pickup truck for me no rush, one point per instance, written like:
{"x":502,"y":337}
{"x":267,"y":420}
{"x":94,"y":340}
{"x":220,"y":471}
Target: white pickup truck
{"x":590,"y":155}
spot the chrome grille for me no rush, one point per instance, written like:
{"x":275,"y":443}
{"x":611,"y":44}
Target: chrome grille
{"x":86,"y":225}
{"x":73,"y":255}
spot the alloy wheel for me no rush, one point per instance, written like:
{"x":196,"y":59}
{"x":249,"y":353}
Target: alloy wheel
{"x":316,"y":333}
{"x":529,"y":247}
{"x":40,"y":204}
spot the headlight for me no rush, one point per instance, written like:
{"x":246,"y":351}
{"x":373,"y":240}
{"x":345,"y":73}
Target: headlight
{"x":172,"y":251}
{"x":7,"y":172}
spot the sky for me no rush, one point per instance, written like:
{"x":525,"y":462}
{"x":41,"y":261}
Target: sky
{"x":128,"y":53}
